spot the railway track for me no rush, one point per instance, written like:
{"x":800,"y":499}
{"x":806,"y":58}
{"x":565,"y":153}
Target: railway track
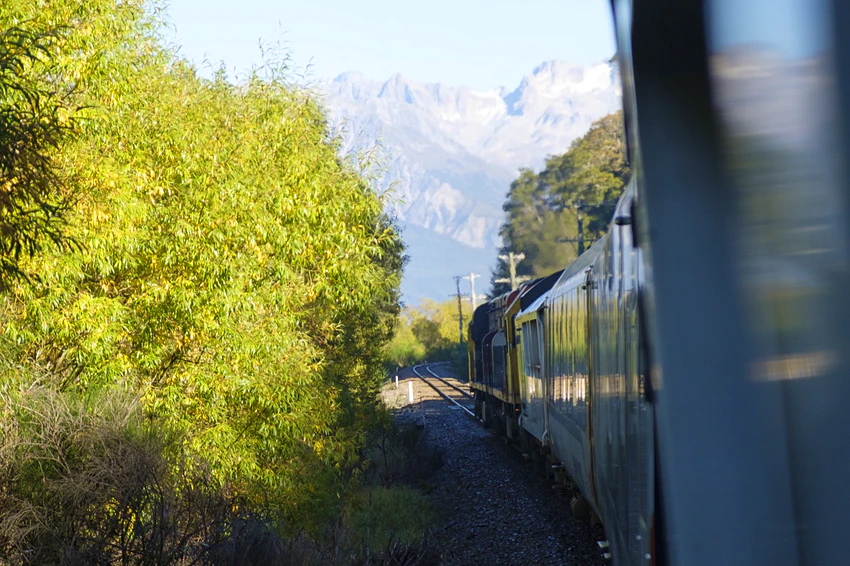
{"x":453,"y":386}
{"x":443,"y":387}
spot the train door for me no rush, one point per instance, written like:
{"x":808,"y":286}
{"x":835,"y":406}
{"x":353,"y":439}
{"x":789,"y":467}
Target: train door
{"x":643,"y":432}
{"x":533,"y":400}
{"x":544,"y":376}
{"x":627,"y":451}
{"x":638,"y":444}
{"x":613,"y":460}
{"x":609,"y":396}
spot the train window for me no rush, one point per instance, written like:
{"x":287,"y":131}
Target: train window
{"x":774,"y":74}
{"x":526,"y":349}
{"x":499,"y":353}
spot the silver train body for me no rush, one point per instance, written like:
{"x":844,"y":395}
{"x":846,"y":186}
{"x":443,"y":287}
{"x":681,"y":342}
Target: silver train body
{"x":583,"y":386}
{"x":694,"y":387}
{"x":574,"y":362}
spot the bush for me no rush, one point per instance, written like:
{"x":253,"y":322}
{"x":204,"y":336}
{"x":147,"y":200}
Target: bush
{"x":399,"y":453}
{"x":87,"y":482}
{"x":459,"y":361}
{"x":94,"y":481}
{"x":231,"y":270}
{"x":389,"y":520}
{"x":381,"y":517}
{"x":210,"y":288}
{"x":429,"y":333}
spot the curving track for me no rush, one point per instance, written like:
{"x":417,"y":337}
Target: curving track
{"x":444,"y":388}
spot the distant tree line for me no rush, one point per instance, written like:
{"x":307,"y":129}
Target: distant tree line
{"x":430,"y":332}
{"x":571,"y":199}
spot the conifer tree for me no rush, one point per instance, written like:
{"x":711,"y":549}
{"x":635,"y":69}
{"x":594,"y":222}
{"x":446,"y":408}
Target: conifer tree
{"x":578,"y":189}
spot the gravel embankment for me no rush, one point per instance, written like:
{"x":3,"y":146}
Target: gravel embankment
{"x":495,"y":507}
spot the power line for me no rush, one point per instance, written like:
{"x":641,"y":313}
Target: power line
{"x":457,"y":279}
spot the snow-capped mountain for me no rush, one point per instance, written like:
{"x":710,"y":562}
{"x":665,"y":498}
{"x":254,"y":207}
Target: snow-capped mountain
{"x":451,"y":153}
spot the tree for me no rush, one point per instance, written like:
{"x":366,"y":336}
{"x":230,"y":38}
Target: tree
{"x":428,"y":332}
{"x":591,"y":176}
{"x":553,"y":215}
{"x":232,"y":272}
{"x":35,"y":117}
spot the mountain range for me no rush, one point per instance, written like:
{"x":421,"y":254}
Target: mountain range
{"x":447,"y":155}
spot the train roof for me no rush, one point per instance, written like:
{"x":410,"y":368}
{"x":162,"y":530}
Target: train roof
{"x":534,"y":306}
{"x":539,"y":287}
{"x":535,"y":298}
{"x":480,"y":321}
{"x":583,"y":262}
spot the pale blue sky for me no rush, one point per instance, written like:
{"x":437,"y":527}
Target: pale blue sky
{"x":480,"y":43}
{"x":795,"y":28}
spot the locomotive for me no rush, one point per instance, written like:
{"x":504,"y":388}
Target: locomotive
{"x":557,"y":365}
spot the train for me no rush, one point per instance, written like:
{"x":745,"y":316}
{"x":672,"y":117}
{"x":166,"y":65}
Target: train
{"x":559,"y":366}
{"x":687,"y":377}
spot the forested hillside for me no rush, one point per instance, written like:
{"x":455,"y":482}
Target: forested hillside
{"x":553,"y":214}
{"x":196,"y":296}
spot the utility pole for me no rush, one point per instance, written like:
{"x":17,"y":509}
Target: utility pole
{"x":580,"y":235}
{"x":472,"y":277}
{"x":512,"y":260}
{"x":579,"y":240}
{"x":459,"y":309}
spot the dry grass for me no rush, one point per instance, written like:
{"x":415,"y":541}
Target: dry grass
{"x":89,"y":483}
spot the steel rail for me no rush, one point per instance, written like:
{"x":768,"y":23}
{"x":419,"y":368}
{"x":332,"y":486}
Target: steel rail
{"x":455,"y":387}
{"x":435,"y":388}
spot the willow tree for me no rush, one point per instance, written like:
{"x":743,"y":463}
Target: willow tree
{"x":34,"y":118}
{"x":231,"y":270}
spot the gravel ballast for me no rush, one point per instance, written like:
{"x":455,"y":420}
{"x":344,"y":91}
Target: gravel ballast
{"x":495,"y":507}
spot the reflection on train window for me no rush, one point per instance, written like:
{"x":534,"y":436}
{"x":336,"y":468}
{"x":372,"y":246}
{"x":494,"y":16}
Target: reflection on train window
{"x":531,"y":355}
{"x":570,"y":367}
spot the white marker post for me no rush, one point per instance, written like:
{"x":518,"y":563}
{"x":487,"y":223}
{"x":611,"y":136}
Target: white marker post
{"x":396,"y":382}
{"x":410,"y":392}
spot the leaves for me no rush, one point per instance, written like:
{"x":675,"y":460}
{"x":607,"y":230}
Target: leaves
{"x":231,"y":269}
{"x":34,"y":119}
{"x":578,"y":188}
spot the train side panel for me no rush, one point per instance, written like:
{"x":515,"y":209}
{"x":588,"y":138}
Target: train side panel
{"x":621,"y":418}
{"x":533,"y":406}
{"x":567,"y":370}
{"x":608,"y":392}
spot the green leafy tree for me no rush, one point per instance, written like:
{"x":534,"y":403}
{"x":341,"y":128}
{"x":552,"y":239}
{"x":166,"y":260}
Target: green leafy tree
{"x":572,"y":199}
{"x":589,"y":179}
{"x":35,"y":116}
{"x":232,"y":271}
{"x":404,"y":349}
{"x":429,"y":332}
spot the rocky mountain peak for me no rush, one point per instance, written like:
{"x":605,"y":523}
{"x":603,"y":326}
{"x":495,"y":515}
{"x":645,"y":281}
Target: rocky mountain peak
{"x":453,"y":152}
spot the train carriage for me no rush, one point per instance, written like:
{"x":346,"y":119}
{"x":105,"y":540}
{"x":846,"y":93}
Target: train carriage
{"x":563,"y":354}
{"x":530,"y":345}
{"x":747,"y":419}
{"x":494,"y":373}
